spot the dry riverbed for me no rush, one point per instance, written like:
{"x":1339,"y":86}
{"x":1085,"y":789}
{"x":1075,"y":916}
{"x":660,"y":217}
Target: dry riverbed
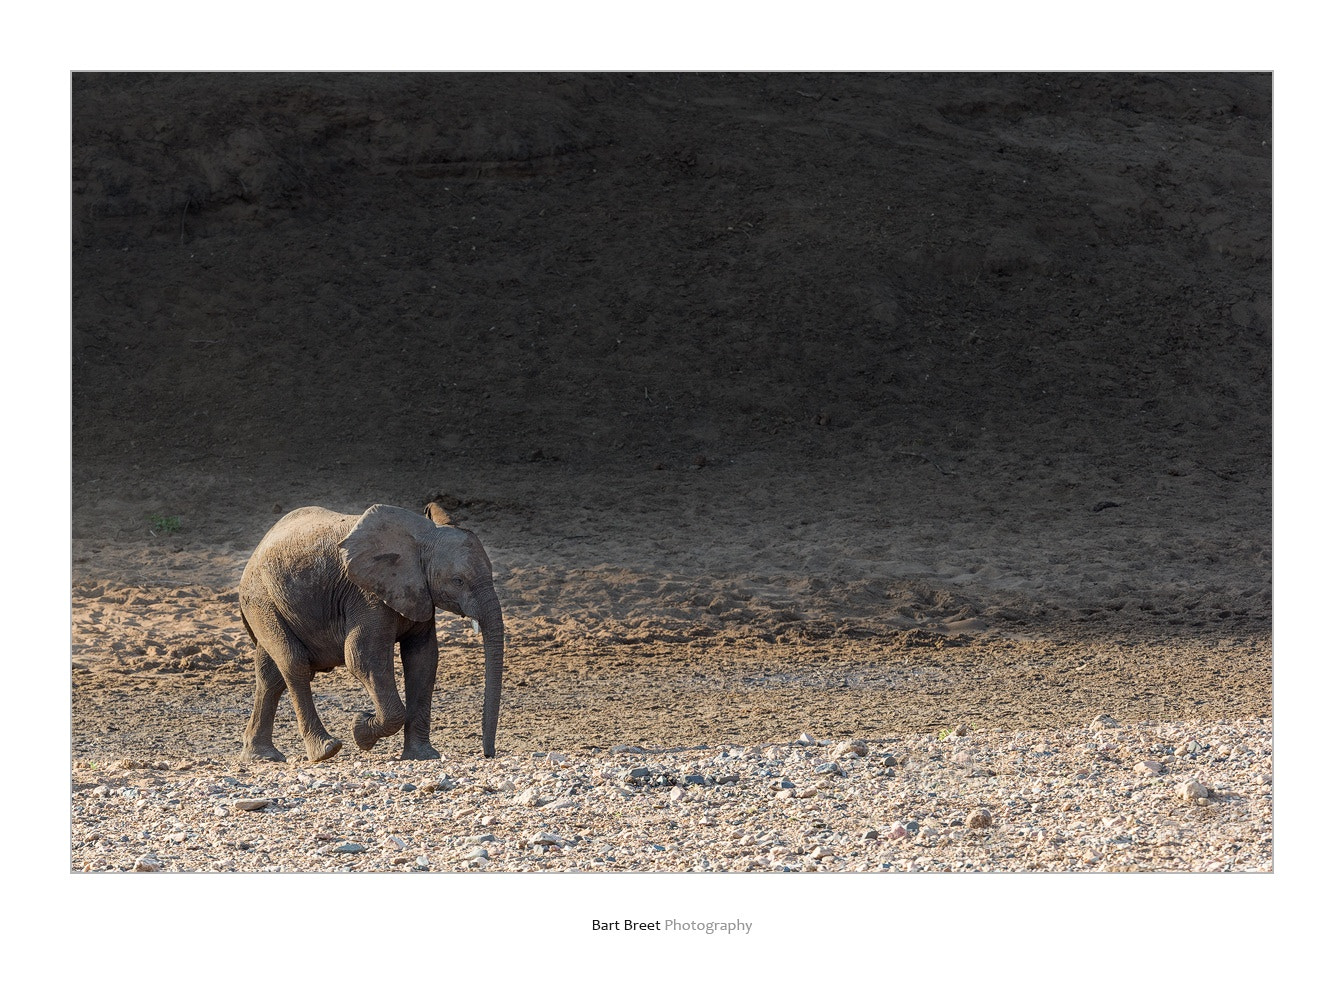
{"x":1188,"y":796}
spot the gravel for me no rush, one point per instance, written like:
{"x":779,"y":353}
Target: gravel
{"x":1189,"y":796}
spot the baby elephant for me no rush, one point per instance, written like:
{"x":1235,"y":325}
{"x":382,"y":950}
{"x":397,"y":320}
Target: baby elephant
{"x":323,"y":589}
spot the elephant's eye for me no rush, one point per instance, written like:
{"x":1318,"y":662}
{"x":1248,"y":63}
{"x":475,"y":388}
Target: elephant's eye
{"x":459,"y":580}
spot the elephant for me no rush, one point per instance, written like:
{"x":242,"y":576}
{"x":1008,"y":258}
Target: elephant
{"x":324,"y":589}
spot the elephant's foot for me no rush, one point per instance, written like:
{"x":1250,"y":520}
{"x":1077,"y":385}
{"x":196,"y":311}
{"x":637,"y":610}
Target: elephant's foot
{"x":365,"y":736}
{"x":322,"y":747}
{"x":368,"y":731}
{"x":420,"y":751}
{"x":260,"y":753}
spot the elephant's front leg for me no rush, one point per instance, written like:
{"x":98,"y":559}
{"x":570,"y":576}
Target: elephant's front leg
{"x":420,"y":665}
{"x":368,"y":655}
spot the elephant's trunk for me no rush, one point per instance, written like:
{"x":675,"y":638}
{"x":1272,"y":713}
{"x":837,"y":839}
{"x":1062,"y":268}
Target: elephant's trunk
{"x":492,"y":632}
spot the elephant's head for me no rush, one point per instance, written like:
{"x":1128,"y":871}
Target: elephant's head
{"x":414,"y":565}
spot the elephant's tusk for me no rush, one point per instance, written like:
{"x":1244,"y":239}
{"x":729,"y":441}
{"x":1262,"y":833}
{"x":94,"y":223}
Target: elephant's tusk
{"x":475,"y":627}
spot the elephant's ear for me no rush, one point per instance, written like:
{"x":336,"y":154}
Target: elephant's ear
{"x":382,"y":555}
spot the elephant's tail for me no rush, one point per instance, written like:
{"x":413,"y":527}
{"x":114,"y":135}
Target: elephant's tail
{"x":250,"y":634}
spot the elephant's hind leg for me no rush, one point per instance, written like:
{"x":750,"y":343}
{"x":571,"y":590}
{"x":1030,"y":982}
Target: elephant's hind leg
{"x":258,"y":740}
{"x":294,"y":665}
{"x":319,"y":743}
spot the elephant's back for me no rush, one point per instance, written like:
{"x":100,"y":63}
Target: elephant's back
{"x":301,"y":540}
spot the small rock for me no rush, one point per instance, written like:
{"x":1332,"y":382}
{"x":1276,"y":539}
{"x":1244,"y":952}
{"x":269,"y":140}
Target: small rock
{"x":531,"y":797}
{"x":978,"y":819}
{"x":1102,"y":722}
{"x":1192,"y":789}
{"x":677,"y":794}
{"x":870,"y":835}
{"x":1149,"y":768}
{"x":892,"y":761}
{"x":829,"y":769}
{"x":545,"y":837}
{"x":898,"y":832}
{"x":822,"y":852}
{"x":148,"y":863}
{"x":806,"y":739}
{"x":251,"y":804}
{"x":851,"y":748}
{"x":348,"y":847}
{"x":557,"y":758}
{"x":422,"y":862}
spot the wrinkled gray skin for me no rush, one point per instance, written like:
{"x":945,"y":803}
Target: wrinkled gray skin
{"x":324,"y":590}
